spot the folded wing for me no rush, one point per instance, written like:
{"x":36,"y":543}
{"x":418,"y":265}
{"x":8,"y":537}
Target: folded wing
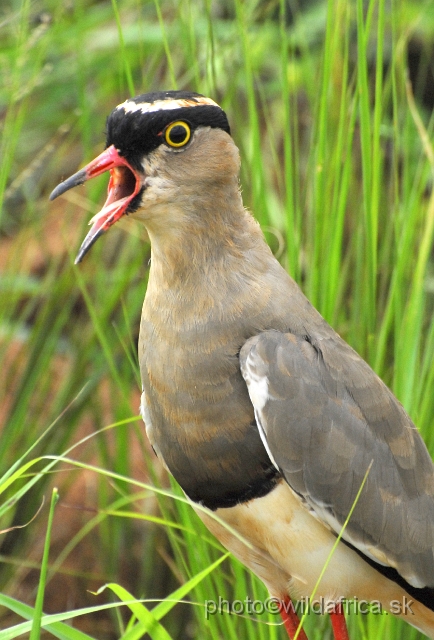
{"x":325,"y":417}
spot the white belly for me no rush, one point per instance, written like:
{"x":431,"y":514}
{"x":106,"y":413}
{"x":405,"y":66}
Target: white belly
{"x":287,"y":548}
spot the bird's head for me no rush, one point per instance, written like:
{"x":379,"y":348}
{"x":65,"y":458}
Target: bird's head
{"x":163,"y":150}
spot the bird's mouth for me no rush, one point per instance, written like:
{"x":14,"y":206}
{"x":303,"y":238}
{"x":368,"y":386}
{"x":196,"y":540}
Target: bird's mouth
{"x":124,"y":184}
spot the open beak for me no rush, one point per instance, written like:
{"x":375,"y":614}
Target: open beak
{"x":125,"y":183}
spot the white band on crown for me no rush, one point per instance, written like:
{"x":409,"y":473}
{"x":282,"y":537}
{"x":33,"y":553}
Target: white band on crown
{"x":170,"y":103}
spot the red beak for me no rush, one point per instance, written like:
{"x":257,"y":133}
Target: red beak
{"x":125,"y":183}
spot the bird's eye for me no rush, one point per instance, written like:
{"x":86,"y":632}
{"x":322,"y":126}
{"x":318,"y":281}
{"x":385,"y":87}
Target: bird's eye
{"x":177,"y":134}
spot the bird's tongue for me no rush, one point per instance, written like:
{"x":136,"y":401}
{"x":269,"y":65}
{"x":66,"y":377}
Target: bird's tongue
{"x":123,"y":186}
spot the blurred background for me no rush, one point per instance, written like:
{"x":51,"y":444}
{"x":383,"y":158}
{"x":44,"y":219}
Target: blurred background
{"x":331,"y":105}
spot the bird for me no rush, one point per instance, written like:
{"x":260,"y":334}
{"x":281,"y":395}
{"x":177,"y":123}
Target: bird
{"x":262,"y":413}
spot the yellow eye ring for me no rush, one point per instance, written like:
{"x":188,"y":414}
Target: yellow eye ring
{"x":177,"y":134}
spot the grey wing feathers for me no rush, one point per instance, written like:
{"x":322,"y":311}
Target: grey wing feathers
{"x":325,"y":416}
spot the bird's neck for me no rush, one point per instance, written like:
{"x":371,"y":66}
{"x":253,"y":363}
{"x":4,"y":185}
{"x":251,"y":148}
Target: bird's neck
{"x":209,"y":245}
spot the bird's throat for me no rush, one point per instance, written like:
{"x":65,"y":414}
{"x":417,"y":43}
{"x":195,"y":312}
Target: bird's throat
{"x":206,"y":251}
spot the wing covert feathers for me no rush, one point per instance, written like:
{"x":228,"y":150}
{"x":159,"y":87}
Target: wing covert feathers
{"x":326,"y":415}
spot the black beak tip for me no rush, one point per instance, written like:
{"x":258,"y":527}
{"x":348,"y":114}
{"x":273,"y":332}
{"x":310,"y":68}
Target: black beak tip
{"x":54,"y":193}
{"x":69,"y":183}
{"x":89,"y":240}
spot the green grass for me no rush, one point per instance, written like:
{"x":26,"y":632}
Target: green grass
{"x":337,"y":165}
